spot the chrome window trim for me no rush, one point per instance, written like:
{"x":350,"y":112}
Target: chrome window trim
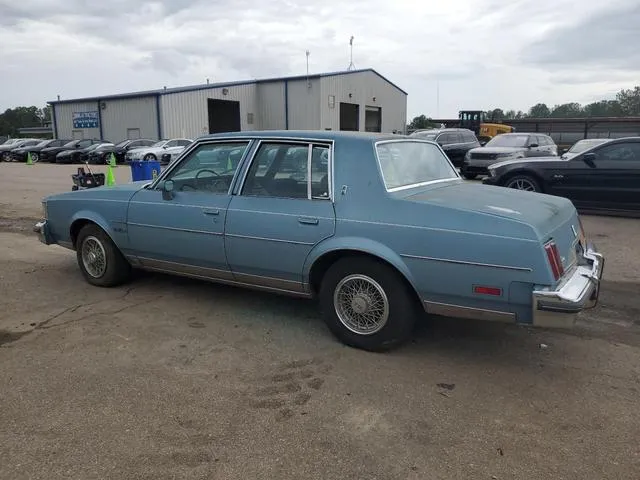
{"x":293,"y":140}
{"x":309,"y":155}
{"x":419,"y":184}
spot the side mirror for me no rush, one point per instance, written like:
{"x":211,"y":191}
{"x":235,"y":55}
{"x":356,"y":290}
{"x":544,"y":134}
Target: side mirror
{"x":534,"y":145}
{"x":167,"y":190}
{"x":589,"y":159}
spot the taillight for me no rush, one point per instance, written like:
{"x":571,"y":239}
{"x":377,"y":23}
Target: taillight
{"x":554,"y":259}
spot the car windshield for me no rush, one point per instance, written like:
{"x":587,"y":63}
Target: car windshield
{"x":71,"y":143}
{"x":409,"y":163}
{"x":508,"y":141}
{"x":159,"y":144}
{"x":583,"y":145}
{"x":123,"y":143}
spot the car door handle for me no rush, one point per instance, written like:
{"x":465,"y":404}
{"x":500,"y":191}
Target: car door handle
{"x":308,"y":220}
{"x":215,"y":211}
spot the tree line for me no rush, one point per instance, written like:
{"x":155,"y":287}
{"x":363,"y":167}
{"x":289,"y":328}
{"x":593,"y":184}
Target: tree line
{"x":20,"y":117}
{"x":626,"y":104}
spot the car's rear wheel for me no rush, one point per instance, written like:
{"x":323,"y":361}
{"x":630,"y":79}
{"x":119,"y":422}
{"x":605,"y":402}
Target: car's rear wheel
{"x":469,"y":176}
{"x":367,"y":304}
{"x":99,"y":259}
{"x":523,"y":182}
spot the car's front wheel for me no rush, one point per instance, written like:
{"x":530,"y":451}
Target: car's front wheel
{"x":469,"y":176}
{"x":150,"y":157}
{"x":99,"y":259}
{"x":523,"y":182}
{"x":367,"y":304}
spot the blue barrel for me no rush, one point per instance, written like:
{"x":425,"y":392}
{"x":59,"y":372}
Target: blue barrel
{"x":144,"y":169}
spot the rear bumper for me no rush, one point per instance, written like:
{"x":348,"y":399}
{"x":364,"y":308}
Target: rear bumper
{"x":559,"y":307}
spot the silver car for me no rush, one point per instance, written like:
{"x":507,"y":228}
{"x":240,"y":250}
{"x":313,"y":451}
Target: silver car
{"x":507,"y":146}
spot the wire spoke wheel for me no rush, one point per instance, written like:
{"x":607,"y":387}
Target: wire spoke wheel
{"x":361,"y":304}
{"x":522,"y":184}
{"x":94,"y":257}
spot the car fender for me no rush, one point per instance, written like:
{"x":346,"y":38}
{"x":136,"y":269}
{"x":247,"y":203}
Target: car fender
{"x":96,"y":218}
{"x":359,"y":244}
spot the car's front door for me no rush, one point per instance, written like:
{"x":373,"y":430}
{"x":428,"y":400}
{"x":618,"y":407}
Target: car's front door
{"x":183,"y":231}
{"x":281,"y":211}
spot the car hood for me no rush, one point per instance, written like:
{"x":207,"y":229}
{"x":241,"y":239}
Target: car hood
{"x":123,"y":191}
{"x":543,"y":212}
{"x":498,"y":150}
{"x":527,"y":161}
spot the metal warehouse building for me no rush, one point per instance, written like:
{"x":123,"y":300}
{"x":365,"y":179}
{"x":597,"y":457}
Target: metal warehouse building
{"x":359,"y":100}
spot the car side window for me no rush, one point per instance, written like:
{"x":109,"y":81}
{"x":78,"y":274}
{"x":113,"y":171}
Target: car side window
{"x":281,"y":170}
{"x":620,"y":151}
{"x":209,"y":168}
{"x":446,"y":139}
{"x":172,"y":143}
{"x":183,"y":143}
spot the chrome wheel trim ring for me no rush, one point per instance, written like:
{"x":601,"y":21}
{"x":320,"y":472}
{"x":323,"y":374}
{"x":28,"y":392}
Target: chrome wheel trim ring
{"x":361,"y":304}
{"x":94,"y":257}
{"x":522,"y":184}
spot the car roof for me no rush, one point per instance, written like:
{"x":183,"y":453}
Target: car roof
{"x":309,"y":134}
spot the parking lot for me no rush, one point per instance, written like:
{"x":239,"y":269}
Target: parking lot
{"x":174,"y":378}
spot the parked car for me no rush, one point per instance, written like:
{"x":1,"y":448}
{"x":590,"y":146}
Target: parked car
{"x":79,"y":154}
{"x":171,"y":154}
{"x":7,"y":148}
{"x":582,"y":145}
{"x":155,"y":151}
{"x":378,"y":246}
{"x":507,"y":146}
{"x":20,"y":154}
{"x":455,"y":142}
{"x":49,"y":154}
{"x":605,"y":178}
{"x":102,"y":154}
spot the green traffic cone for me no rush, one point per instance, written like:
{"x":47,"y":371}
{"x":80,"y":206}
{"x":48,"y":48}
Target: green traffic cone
{"x":112,"y":160}
{"x":111,"y":179}
{"x":29,"y":159}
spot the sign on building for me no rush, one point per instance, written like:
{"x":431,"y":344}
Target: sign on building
{"x":85,"y":119}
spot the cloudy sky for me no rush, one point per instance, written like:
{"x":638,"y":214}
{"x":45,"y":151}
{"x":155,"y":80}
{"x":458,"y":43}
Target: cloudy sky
{"x":482,"y":54}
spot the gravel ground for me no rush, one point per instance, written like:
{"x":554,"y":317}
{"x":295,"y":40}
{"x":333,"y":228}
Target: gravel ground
{"x":171,"y":378}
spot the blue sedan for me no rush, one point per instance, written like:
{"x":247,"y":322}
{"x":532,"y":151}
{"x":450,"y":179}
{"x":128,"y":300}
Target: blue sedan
{"x":381,"y":229}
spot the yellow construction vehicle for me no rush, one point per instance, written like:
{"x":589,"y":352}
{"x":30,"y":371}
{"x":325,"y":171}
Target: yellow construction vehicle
{"x":475,"y":120}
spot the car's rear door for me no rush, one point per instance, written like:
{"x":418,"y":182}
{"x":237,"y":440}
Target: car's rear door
{"x":280,"y":213}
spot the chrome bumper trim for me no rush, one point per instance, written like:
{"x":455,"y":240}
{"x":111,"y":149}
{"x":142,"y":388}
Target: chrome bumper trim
{"x":559,"y":307}
{"x":41,"y":228}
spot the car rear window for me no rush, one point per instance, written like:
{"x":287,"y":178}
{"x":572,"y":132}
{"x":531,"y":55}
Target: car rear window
{"x":408,"y":163}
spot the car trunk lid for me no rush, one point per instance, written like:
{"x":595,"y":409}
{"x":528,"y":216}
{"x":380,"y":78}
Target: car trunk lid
{"x":553,"y":218}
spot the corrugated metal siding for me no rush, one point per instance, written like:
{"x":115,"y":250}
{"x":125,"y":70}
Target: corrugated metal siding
{"x":304,"y":104}
{"x":363,"y":87}
{"x":64,"y":119}
{"x":186,"y":114}
{"x":136,"y":113}
{"x":271,"y":102}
